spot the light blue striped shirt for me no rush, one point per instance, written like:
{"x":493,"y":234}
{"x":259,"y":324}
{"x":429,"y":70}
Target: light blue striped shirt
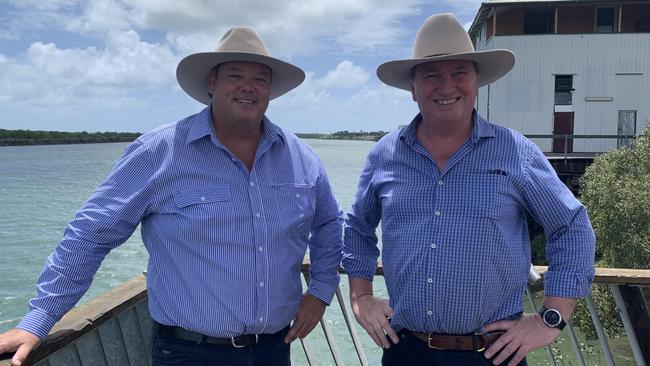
{"x":225,"y":244}
{"x":455,"y":244}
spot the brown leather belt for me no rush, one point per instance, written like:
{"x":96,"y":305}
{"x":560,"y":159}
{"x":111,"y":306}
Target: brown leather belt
{"x":478,"y":342}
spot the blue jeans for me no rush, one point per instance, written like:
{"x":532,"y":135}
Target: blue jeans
{"x":412,"y":351}
{"x":167,"y":350}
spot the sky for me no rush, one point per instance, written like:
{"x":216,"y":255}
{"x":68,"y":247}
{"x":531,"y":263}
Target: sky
{"x":110,"y":65}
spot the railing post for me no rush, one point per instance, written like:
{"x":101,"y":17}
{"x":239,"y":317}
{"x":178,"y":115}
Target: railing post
{"x":627,"y":324}
{"x":602,"y":338}
{"x":638,"y":312}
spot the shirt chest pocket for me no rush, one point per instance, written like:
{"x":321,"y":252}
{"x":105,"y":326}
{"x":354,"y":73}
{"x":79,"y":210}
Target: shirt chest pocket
{"x":194,"y":196}
{"x":487,"y":194}
{"x":295,"y":203}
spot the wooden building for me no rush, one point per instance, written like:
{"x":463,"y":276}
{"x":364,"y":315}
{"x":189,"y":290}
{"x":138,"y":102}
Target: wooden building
{"x":582,"y":70}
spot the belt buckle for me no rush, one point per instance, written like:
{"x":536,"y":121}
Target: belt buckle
{"x":432,"y":346}
{"x":233,"y":341}
{"x":480,"y":335}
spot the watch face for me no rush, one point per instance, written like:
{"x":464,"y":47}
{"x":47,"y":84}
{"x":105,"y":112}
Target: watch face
{"x":552,"y":317}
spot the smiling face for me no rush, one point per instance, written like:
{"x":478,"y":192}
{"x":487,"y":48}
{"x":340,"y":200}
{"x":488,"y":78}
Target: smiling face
{"x":445,"y":91}
{"x":240,"y":92}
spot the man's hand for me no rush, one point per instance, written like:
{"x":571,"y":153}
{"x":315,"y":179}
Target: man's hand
{"x":20,"y":341}
{"x":309,"y":313}
{"x":522,"y":336}
{"x":373,"y":314}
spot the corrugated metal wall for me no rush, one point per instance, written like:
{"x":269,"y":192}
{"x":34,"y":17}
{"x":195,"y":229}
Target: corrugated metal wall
{"x":603,"y":65}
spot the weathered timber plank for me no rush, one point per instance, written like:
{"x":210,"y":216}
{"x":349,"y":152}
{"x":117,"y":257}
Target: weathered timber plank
{"x":145,"y":322}
{"x":90,"y":349}
{"x":89,"y":316}
{"x":66,"y":357}
{"x":135,"y":347}
{"x":113,"y":343}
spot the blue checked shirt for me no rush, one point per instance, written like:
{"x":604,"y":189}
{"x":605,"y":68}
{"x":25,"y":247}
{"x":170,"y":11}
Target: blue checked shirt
{"x":455,"y":245}
{"x":225,"y":244}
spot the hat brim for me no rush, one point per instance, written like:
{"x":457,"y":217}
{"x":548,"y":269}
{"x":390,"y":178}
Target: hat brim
{"x":193,"y":71}
{"x":492,"y":65}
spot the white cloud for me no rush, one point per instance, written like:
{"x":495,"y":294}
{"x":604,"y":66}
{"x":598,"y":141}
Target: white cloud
{"x":100,"y":16}
{"x":51,"y":75}
{"x":345,"y":76}
{"x":291,"y":27}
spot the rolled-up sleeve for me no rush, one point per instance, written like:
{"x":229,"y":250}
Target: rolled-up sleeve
{"x":571,"y":242}
{"x":360,"y":250}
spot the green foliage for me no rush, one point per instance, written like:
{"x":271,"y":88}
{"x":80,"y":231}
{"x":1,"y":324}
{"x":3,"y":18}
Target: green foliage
{"x":345,"y":135}
{"x":538,"y":250}
{"x":616,"y":191}
{"x":28,"y":137}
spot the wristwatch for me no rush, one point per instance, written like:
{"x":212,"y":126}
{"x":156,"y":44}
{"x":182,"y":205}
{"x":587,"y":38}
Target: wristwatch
{"x":552,"y":318}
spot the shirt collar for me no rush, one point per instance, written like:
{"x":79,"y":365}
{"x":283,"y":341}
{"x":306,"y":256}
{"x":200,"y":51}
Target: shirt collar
{"x":481,"y":129}
{"x":203,"y":125}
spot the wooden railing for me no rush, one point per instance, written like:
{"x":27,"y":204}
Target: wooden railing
{"x":115,"y":328}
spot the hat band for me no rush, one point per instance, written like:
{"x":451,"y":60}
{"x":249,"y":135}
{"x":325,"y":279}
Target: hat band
{"x":437,"y":54}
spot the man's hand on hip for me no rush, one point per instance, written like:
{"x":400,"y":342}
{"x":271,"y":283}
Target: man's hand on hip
{"x":373,"y":314}
{"x":309,"y":313}
{"x":20,"y":341}
{"x":522,"y":335}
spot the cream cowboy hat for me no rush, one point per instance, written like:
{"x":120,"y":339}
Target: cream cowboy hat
{"x":441,"y":37}
{"x":238,"y":44}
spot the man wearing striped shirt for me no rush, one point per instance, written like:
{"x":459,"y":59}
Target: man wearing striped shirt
{"x":451,"y":191}
{"x":228,"y":203}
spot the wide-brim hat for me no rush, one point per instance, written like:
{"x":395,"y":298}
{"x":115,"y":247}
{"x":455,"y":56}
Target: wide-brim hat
{"x":237,"y":44}
{"x":442,"y":37}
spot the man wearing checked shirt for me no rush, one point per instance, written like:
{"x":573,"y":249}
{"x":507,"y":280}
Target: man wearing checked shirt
{"x":229,"y":203}
{"x":451,"y":191}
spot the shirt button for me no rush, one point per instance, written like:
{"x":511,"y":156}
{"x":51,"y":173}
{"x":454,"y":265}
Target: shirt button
{"x":257,"y":214}
{"x":429,"y":312}
{"x":261,"y":284}
{"x":433,"y":246}
{"x":439,"y":182}
{"x":430,"y":280}
{"x":261,"y":318}
{"x":202,"y":198}
{"x":260,"y":249}
{"x":297,"y":195}
{"x":438,"y":213}
{"x":252,"y":184}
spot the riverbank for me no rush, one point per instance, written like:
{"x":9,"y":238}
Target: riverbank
{"x":29,"y":137}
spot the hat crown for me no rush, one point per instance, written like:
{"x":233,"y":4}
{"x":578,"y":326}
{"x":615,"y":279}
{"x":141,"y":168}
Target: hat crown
{"x":242,"y":39}
{"x":441,"y":34}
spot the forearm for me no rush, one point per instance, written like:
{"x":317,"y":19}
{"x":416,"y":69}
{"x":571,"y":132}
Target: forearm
{"x":565,"y":305}
{"x":359,"y":287}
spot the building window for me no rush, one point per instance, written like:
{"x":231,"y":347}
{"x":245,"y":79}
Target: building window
{"x":605,"y":20}
{"x":563,"y":89}
{"x":539,"y":20}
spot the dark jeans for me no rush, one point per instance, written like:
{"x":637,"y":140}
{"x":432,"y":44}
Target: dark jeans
{"x":167,"y":350}
{"x":412,"y":351}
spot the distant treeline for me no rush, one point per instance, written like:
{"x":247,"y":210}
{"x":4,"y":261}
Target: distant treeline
{"x":345,"y":135}
{"x":28,"y":137}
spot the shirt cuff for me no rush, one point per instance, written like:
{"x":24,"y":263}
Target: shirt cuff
{"x":322,"y":291}
{"x":361,"y":267}
{"x":567,"y":284}
{"x":38,"y":323}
